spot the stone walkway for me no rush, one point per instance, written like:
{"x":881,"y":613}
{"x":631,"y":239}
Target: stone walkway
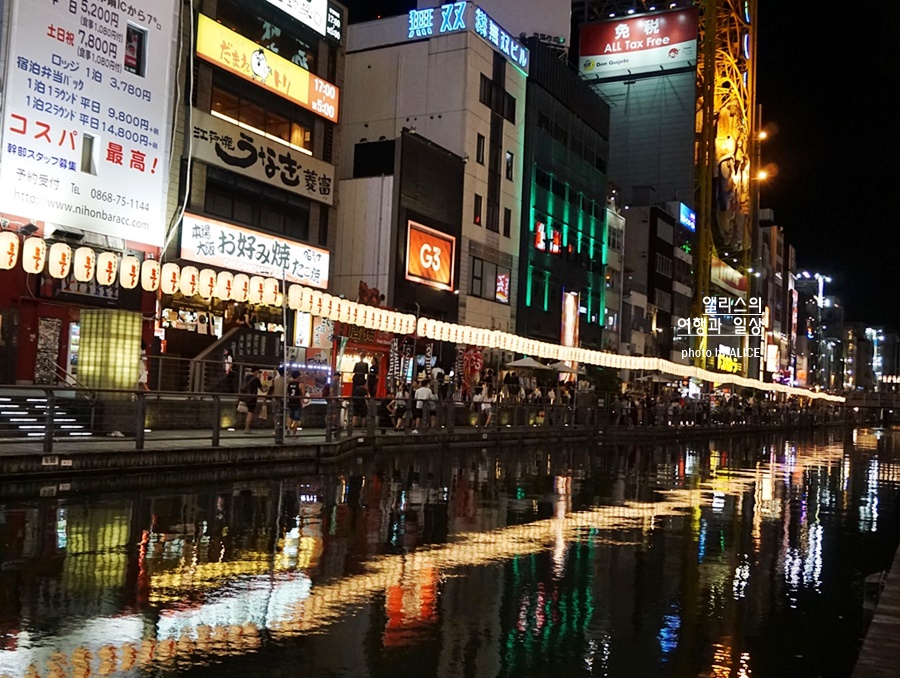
{"x":880,"y":654}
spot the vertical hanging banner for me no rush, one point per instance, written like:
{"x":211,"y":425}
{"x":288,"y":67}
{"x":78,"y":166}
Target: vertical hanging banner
{"x":86,"y":118}
{"x":429,"y":354}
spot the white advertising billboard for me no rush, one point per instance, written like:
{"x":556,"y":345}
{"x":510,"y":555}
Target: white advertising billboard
{"x":313,"y":13}
{"x":215,"y":243}
{"x":641,"y":44}
{"x":224,"y":144}
{"x":85,"y":117}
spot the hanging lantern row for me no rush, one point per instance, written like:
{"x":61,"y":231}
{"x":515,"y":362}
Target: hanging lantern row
{"x":85,"y":265}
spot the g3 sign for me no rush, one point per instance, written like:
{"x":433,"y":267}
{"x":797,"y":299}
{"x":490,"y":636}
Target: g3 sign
{"x":430,"y":256}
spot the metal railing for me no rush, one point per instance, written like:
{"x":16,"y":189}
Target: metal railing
{"x":46,"y":418}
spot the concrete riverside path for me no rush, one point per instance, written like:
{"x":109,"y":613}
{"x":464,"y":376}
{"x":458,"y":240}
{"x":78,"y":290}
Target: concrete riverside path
{"x":880,"y":653}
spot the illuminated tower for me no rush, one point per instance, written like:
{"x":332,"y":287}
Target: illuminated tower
{"x":725,"y":154}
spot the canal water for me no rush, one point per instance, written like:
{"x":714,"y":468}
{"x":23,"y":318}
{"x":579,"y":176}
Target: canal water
{"x":744,"y":557}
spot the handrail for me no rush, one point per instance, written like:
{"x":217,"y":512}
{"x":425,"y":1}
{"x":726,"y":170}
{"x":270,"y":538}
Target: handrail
{"x":80,"y":384}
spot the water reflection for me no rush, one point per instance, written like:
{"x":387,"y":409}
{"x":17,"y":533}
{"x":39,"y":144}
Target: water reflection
{"x":717,"y":559}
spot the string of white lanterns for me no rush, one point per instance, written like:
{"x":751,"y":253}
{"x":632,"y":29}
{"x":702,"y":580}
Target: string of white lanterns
{"x":85,"y":265}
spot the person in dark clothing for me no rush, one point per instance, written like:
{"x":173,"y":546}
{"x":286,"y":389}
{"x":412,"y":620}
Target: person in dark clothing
{"x":249,"y":395}
{"x":360,"y":406}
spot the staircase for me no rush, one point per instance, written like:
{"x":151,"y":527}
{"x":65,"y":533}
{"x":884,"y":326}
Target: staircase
{"x":23,"y":417}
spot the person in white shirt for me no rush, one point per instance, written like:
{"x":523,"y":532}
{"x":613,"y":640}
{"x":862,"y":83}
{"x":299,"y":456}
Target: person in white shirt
{"x":424,"y":396}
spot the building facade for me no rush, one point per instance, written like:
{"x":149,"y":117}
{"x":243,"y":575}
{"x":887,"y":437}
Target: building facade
{"x":563,"y":226}
{"x":453,"y":76}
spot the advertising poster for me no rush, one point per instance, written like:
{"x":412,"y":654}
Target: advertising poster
{"x":223,"y":144}
{"x":244,"y":58}
{"x":430,"y":256}
{"x":643,"y":44}
{"x":86,"y":122}
{"x":215,"y":243}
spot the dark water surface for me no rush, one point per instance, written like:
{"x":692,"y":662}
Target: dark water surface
{"x":735,"y":558}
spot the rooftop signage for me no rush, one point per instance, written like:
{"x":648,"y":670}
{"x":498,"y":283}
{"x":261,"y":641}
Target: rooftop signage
{"x":456,"y":17}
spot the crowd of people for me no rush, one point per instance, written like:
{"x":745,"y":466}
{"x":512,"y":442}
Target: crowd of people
{"x":428,"y":402}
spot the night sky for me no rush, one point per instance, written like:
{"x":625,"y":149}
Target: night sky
{"x":828,"y":84}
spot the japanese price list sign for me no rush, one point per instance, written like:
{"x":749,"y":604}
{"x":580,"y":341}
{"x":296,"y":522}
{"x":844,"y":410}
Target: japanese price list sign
{"x":86,"y":114}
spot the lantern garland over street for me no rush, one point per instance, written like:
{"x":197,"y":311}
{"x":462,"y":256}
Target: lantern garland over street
{"x":59,"y":261}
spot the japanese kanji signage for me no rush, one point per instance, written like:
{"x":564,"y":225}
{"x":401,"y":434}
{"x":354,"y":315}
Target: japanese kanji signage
{"x":86,"y":122}
{"x":225,"y":145}
{"x":213,"y":243}
{"x":512,"y":49}
{"x":642,"y":44}
{"x":462,"y":16}
{"x":243,"y":57}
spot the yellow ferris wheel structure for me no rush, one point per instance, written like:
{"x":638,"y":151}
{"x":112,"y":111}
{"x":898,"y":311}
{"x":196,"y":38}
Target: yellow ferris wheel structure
{"x":726,"y":129}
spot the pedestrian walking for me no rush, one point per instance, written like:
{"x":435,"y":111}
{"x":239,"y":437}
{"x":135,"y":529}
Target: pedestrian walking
{"x":250,"y":396}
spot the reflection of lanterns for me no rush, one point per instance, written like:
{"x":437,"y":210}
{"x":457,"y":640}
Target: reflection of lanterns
{"x":60,"y":260}
{"x":9,"y":250}
{"x":271,"y":290}
{"x":241,"y":289}
{"x":85,"y":264}
{"x":257,"y":291}
{"x":150,"y":275}
{"x":169,"y":279}
{"x":107,"y":267}
{"x":224,"y":285}
{"x":129,"y":272}
{"x":33,"y":254}
{"x":207,"y":283}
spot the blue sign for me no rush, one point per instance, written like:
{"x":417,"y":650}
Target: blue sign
{"x":452,"y":19}
{"x":687,"y":217}
{"x":488,"y":29}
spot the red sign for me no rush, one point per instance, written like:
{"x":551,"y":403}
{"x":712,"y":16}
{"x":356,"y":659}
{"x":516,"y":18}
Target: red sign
{"x":640,"y":44}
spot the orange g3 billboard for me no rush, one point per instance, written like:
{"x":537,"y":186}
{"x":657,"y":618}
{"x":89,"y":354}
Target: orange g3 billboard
{"x":430,"y":256}
{"x":243,"y":57}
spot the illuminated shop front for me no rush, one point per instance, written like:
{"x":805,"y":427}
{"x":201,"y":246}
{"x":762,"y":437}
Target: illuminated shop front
{"x":91,"y":189}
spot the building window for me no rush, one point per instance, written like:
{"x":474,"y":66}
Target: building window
{"x":493,"y":217}
{"x":254,"y":117}
{"x":509,"y":108}
{"x":478,"y":208}
{"x":663,"y":301}
{"x":484,"y":92}
{"x":509,"y":165}
{"x":248,"y":202}
{"x":664,"y":265}
{"x":490,"y":281}
{"x":614,"y":239}
{"x":479,"y":150}
{"x":507,"y":222}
